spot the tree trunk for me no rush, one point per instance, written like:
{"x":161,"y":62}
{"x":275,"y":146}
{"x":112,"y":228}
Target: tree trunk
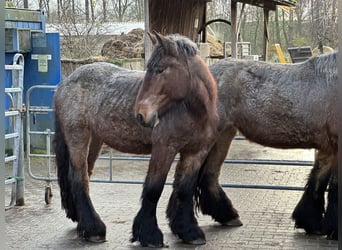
{"x":277,"y":28}
{"x":284,"y":30}
{"x":256,"y":28}
{"x":104,"y":10}
{"x":92,"y":11}
{"x":86,"y":5}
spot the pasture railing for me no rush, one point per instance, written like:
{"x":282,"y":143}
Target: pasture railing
{"x":14,"y":132}
{"x":50,"y":171}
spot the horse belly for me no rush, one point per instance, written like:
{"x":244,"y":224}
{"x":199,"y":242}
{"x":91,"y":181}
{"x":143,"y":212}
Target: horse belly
{"x":277,"y":132}
{"x":128,"y":139}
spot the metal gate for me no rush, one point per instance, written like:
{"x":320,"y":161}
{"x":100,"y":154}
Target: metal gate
{"x":33,"y":112}
{"x":14,"y":131}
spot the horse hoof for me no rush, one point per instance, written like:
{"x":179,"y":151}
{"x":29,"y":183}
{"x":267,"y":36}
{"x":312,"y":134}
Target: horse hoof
{"x":157,"y":245}
{"x":96,"y":239}
{"x":332,"y":236}
{"x":198,"y":241}
{"x":315,"y":232}
{"x":233,"y":223}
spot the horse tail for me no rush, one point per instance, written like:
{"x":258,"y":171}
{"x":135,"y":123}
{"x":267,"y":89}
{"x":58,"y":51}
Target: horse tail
{"x":198,"y":189}
{"x":62,"y":162}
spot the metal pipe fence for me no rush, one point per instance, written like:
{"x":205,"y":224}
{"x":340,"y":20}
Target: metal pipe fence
{"x":14,"y":134}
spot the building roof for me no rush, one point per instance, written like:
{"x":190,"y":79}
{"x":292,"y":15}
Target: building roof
{"x":95,"y":29}
{"x":269,"y":4}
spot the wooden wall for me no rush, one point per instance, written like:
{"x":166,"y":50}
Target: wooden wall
{"x":177,"y":16}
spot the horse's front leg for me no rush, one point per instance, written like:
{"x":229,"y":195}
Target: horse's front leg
{"x":180,"y":211}
{"x":145,"y":227}
{"x":309,"y":211}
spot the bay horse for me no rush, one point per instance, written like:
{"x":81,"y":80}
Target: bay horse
{"x":285,"y":106}
{"x":101,"y":103}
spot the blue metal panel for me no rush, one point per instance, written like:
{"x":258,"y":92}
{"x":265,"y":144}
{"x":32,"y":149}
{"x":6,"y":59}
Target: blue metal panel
{"x":25,"y":18}
{"x":43,"y":45}
{"x":25,"y":31}
{"x":25,"y":25}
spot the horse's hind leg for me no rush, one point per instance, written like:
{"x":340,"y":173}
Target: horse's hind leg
{"x":211,"y":198}
{"x":308,"y":213}
{"x":90,"y":226}
{"x":180,"y":210}
{"x":330,"y":227}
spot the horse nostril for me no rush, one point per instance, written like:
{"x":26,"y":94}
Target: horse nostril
{"x":140,"y":118}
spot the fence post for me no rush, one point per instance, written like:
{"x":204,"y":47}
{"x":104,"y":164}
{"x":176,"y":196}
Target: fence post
{"x":2,"y":128}
{"x":18,"y":82}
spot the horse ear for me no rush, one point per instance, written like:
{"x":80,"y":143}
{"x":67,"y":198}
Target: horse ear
{"x":161,"y":39}
{"x":168,"y":45}
{"x":152,"y":37}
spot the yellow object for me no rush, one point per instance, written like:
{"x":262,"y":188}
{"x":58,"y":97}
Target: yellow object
{"x":326,"y":50}
{"x":280,"y":53}
{"x":286,"y":8}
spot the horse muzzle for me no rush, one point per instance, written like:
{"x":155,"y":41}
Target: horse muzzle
{"x":150,"y":121}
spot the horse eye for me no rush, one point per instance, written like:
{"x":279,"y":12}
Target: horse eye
{"x":159,"y":70}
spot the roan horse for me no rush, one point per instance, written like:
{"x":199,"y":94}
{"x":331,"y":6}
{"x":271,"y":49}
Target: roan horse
{"x":95,"y":105}
{"x":285,"y":106}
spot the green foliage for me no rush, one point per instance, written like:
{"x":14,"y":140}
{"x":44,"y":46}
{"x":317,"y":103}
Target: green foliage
{"x":302,"y":41}
{"x":117,"y":62}
{"x":9,"y":4}
{"x":38,"y":151}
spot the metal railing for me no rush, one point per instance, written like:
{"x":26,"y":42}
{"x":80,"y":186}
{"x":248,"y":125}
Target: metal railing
{"x":15,"y":131}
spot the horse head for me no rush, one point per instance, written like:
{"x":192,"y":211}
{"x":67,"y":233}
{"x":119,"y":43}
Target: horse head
{"x":175,"y":74}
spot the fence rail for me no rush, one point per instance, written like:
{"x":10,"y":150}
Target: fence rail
{"x":14,"y":134}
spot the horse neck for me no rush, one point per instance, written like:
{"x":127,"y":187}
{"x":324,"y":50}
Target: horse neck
{"x":203,"y":103}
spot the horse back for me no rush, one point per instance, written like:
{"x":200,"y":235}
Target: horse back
{"x":286,"y":106}
{"x":96,"y":101}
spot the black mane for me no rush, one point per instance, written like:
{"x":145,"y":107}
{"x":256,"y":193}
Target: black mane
{"x":184,"y":46}
{"x":326,"y":64}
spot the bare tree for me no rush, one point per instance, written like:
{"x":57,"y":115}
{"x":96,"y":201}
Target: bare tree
{"x":311,"y":22}
{"x":45,"y":5}
{"x":104,"y":10}
{"x":92,"y":10}
{"x":137,"y":10}
{"x":120,"y":8}
{"x":86,"y":8}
